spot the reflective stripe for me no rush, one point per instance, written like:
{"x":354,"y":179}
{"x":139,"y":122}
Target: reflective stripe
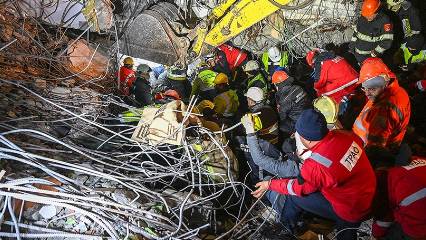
{"x":341,"y":87}
{"x":379,"y":49}
{"x":290,"y":187}
{"x":383,"y":224}
{"x":413,"y":197}
{"x":353,"y":39}
{"x":321,"y":159}
{"x":362,"y":52}
{"x":371,"y":39}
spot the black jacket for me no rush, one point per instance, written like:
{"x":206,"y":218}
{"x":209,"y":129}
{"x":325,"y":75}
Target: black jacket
{"x":410,"y":19}
{"x":376,"y":36}
{"x":291,"y":101}
{"x":142,"y":91}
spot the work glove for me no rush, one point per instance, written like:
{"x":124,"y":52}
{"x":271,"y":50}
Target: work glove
{"x":247,"y":121}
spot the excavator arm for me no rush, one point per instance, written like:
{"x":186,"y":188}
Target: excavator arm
{"x":225,"y":21}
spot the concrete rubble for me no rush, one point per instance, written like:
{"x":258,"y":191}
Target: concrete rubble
{"x":72,"y":170}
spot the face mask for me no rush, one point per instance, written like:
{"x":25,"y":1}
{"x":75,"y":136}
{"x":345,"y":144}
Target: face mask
{"x":302,"y":151}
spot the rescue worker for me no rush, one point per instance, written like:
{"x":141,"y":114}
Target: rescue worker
{"x":226,"y":102}
{"x":262,"y":156}
{"x":274,"y":60}
{"x":336,"y":182}
{"x":268,"y":128}
{"x":414,"y":51}
{"x":228,"y":59}
{"x":126,"y":76}
{"x":409,"y":16}
{"x":373,"y":33}
{"x":141,"y":87}
{"x":333,"y":75}
{"x":384,"y":119}
{"x":203,"y":85}
{"x":134,"y":115}
{"x":255,"y":77}
{"x":291,"y":100}
{"x":177,"y":80}
{"x":404,"y":203}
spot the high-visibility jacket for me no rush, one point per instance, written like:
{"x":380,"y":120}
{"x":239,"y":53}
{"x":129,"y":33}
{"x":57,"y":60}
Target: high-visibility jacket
{"x":267,"y":62}
{"x":337,"y":79}
{"x":127,"y":77}
{"x":376,"y":35}
{"x":383,"y":122}
{"x":258,"y":81}
{"x":406,"y":188}
{"x":234,"y":56}
{"x":410,"y":58}
{"x":338,"y":168}
{"x":226,"y":103}
{"x":203,"y":82}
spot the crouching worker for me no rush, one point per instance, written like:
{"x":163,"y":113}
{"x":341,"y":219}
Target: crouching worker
{"x":336,"y":182}
{"x":402,"y":202}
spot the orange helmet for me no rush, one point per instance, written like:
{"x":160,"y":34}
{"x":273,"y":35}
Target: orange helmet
{"x":310,"y":57}
{"x":279,"y":76}
{"x":172,"y":93}
{"x":373,"y":67}
{"x":369,"y":7}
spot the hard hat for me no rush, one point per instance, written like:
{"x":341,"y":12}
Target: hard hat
{"x":328,"y":107}
{"x":310,"y":57}
{"x":274,"y":54}
{"x":205,"y":104}
{"x":370,"y":7}
{"x":279,"y":76}
{"x":255,"y":94}
{"x":172,"y":93}
{"x":175,"y":73}
{"x":251,"y":65}
{"x":373,"y":67}
{"x":143,"y":68}
{"x":128,"y":61}
{"x":221,"y":78}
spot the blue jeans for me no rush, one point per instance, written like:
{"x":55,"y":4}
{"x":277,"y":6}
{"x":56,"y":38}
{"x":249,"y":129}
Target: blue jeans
{"x":291,"y":207}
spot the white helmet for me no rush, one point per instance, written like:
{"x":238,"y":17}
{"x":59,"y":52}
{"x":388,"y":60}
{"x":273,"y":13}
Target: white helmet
{"x":256,"y":94}
{"x":251,"y":65}
{"x":274,"y":54}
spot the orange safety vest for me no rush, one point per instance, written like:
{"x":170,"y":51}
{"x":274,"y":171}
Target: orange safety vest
{"x":383,"y":122}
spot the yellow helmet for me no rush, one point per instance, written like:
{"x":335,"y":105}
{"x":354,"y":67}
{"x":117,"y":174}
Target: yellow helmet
{"x":327,"y":107}
{"x":128,"y":61}
{"x":205,"y":104}
{"x":221,"y":78}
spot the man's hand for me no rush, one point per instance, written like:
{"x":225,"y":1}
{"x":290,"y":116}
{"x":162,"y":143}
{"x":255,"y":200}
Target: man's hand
{"x":262,"y":187}
{"x":248,"y":124}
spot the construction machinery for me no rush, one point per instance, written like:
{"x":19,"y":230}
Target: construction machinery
{"x":161,"y":34}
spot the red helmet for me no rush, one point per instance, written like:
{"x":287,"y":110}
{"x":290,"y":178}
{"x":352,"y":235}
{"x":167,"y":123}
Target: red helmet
{"x":369,"y":7}
{"x":310,"y":57}
{"x":279,"y":76}
{"x":373,"y":67}
{"x":172,"y":93}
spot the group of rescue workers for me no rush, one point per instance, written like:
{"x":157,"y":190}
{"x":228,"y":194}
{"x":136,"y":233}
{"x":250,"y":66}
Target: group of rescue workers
{"x":299,"y":155}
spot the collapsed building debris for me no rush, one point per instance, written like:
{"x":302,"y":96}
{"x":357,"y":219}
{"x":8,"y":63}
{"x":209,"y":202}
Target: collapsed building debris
{"x":71,"y":168}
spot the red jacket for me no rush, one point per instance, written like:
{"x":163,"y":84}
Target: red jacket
{"x":127,"y":77}
{"x":234,"y":56}
{"x":340,"y":170}
{"x":337,"y":79}
{"x":407,"y":200}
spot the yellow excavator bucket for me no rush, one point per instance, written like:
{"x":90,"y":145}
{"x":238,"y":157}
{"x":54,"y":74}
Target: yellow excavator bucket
{"x":242,"y":16}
